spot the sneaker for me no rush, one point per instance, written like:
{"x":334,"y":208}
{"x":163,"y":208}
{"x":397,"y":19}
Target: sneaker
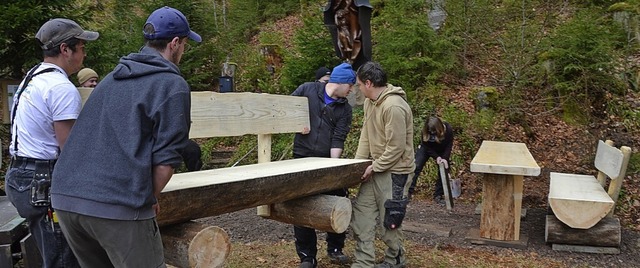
{"x":337,"y":257}
{"x":439,"y":200}
{"x":389,"y":265}
{"x":306,"y":264}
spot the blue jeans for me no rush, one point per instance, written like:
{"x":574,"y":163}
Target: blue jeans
{"x":53,"y":246}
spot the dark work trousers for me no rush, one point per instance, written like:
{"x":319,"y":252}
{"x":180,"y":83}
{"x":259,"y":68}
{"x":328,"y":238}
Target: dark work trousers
{"x":192,"y":156}
{"x":306,"y":239}
{"x":53,"y":246}
{"x":422,"y":156}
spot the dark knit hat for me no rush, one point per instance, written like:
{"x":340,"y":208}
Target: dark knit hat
{"x":322,"y":71}
{"x":343,"y":74}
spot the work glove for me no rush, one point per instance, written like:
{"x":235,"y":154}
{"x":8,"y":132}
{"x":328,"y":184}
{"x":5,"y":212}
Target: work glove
{"x":441,"y":160}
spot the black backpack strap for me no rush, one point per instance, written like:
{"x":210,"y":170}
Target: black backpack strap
{"x":18,"y":93}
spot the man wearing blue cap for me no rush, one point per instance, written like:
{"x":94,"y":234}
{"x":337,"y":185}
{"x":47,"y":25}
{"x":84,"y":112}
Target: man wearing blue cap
{"x":330,"y":121}
{"x":123,"y":150}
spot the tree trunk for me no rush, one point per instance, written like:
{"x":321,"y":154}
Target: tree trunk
{"x":199,"y":194}
{"x":604,"y":234}
{"x":326,"y":213}
{"x":193,"y":244}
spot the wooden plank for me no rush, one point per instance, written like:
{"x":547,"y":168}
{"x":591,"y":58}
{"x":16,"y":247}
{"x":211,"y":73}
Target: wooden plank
{"x":602,"y":178}
{"x":264,"y":156}
{"x":235,"y":114}
{"x":504,"y":158}
{"x":616,"y":184}
{"x":608,"y":160}
{"x":585,"y":249}
{"x":446,"y":186}
{"x":473,"y":237}
{"x":425,"y":228}
{"x":199,"y":194}
{"x":325,"y":213}
{"x":578,"y":200}
{"x":518,"y":185}
{"x":606,"y":233}
{"x":498,"y":218}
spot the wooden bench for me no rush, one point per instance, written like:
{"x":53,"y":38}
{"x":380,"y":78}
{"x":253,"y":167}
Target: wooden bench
{"x":583,"y":209}
{"x":275,"y":185}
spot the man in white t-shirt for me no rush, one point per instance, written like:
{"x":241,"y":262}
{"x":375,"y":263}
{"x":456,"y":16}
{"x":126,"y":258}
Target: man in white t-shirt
{"x":45,"y":107}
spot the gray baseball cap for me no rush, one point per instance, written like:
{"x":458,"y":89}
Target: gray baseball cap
{"x":55,"y":31}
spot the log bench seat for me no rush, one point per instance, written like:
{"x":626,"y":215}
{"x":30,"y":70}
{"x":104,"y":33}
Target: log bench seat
{"x":583,"y":208}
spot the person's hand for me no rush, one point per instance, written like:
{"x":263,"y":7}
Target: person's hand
{"x":305,"y":131}
{"x":441,"y":160}
{"x":368,"y":173}
{"x":156,"y":208}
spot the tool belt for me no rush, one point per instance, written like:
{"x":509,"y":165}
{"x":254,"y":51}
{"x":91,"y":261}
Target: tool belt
{"x":29,"y":163}
{"x":41,"y":183}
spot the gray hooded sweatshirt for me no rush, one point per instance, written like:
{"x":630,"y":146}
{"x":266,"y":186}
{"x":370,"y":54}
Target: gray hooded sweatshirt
{"x":137,"y":117}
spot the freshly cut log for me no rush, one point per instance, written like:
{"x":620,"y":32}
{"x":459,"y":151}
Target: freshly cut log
{"x":578,"y":200}
{"x":604,"y":234}
{"x":200,"y":194}
{"x":193,"y":244}
{"x":326,"y":213}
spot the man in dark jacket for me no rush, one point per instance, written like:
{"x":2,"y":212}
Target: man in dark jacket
{"x":330,"y":121}
{"x":123,"y":150}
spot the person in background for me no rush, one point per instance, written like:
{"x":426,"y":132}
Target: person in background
{"x":192,"y":156}
{"x":323,"y":74}
{"x":387,"y":139}
{"x":44,"y":110}
{"x":330,"y":121}
{"x":87,"y":78}
{"x":137,"y":121}
{"x":436,"y":142}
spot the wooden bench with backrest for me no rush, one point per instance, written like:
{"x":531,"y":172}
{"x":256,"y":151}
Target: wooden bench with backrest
{"x":582,"y":207}
{"x":276,"y":186}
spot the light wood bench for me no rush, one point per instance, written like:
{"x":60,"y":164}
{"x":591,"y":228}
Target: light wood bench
{"x":583,"y":209}
{"x":287,"y":183}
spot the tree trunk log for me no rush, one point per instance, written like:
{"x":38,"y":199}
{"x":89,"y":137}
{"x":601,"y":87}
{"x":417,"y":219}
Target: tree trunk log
{"x":501,"y":207}
{"x":605,"y":233}
{"x":199,"y":194}
{"x":326,"y":213}
{"x":193,"y":244}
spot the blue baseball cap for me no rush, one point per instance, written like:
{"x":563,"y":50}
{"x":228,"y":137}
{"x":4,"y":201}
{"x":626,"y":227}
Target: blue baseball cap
{"x":168,"y":23}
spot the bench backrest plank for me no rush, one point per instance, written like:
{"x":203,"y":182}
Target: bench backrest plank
{"x":235,"y":114}
{"x":612,"y":162}
{"x":609,"y":160}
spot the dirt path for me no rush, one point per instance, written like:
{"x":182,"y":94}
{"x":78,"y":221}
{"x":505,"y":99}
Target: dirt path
{"x":431,"y":224}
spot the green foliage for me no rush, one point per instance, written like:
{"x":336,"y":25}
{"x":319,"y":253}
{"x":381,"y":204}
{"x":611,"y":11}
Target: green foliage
{"x":416,"y":58}
{"x":19,"y":22}
{"x":582,"y":54}
{"x":351,"y":144}
{"x":634,"y":164}
{"x":313,"y":48}
{"x":253,"y":75}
